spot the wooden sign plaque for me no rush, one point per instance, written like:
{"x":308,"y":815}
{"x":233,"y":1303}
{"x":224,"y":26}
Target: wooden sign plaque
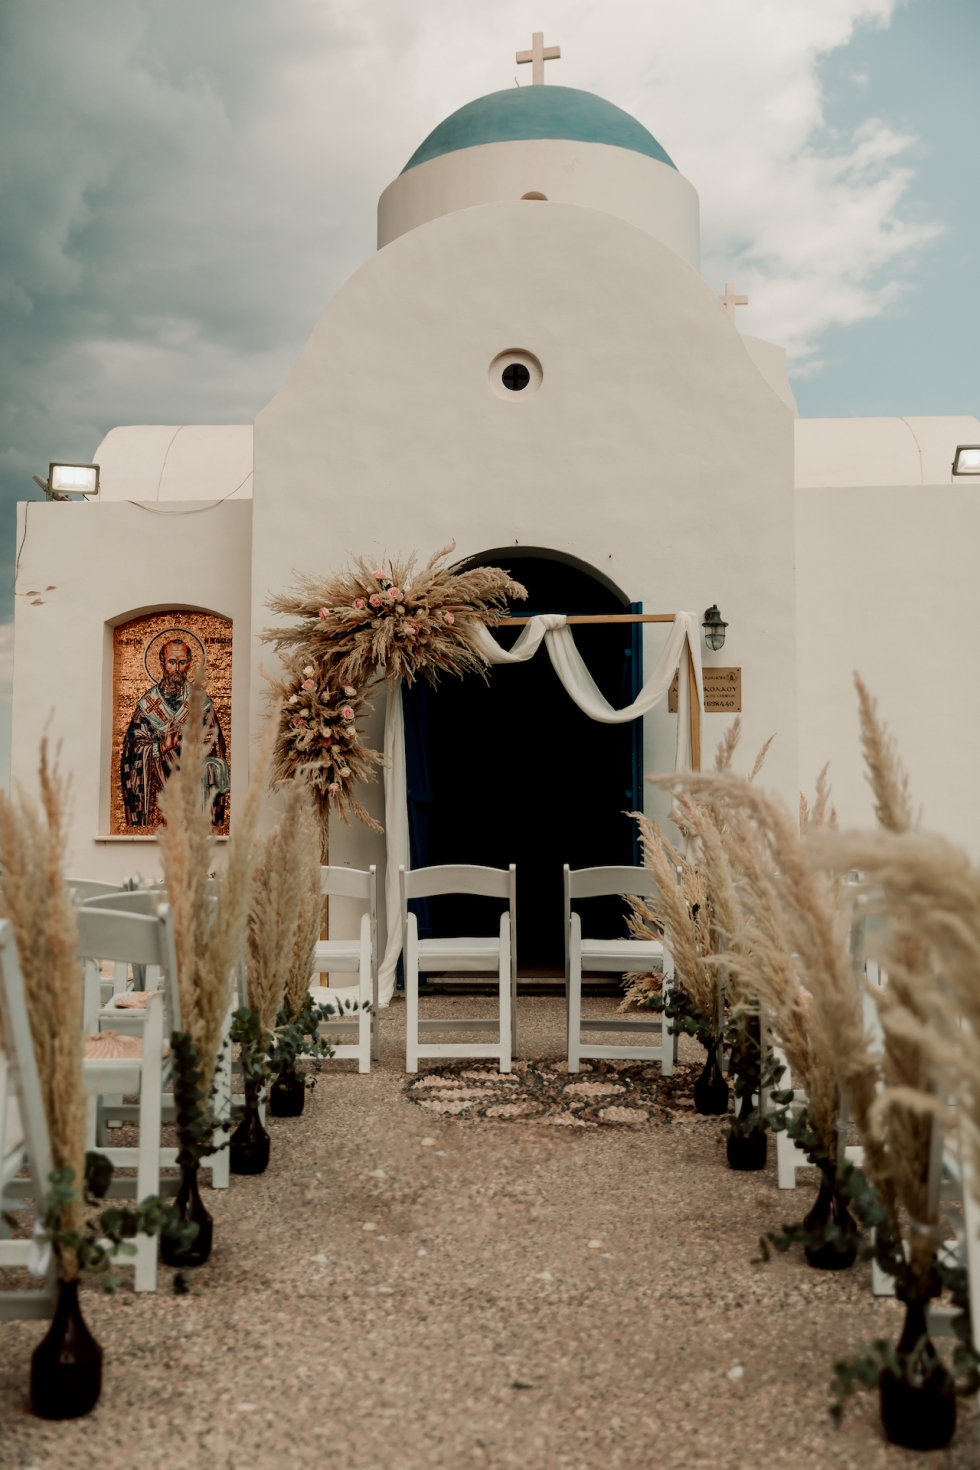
{"x":722,"y":692}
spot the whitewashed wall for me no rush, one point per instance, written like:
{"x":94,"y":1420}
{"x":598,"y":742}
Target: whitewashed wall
{"x":105,"y":564}
{"x":654,"y":449}
{"x":887,"y":586}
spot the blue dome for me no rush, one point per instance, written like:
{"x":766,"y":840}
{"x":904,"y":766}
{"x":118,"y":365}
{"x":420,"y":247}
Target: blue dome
{"x":538,"y":112}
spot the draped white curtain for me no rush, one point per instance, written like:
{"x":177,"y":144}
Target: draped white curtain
{"x":550,"y":628}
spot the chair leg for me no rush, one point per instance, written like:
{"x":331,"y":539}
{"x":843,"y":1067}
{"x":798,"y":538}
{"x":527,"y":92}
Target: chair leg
{"x":575,"y":995}
{"x":364,"y":996}
{"x":506,"y":1018}
{"x":221,"y":1161}
{"x":148,"y":1166}
{"x":411,"y":967}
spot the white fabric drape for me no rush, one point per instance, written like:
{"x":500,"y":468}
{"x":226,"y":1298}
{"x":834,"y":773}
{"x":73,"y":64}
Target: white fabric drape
{"x":552,"y":630}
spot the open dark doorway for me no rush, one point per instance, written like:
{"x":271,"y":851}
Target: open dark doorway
{"x":511,"y":771}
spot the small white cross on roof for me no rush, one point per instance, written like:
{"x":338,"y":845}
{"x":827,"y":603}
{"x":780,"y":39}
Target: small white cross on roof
{"x":729,"y":301}
{"x":537,"y":56}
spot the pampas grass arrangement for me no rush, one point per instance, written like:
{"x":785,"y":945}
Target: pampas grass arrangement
{"x":39,"y":907}
{"x":210,"y":914}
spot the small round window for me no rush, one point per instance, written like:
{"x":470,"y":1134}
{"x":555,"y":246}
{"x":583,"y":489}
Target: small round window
{"x":515,"y":375}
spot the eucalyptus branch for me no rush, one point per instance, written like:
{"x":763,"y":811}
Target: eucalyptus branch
{"x":111,"y":1233}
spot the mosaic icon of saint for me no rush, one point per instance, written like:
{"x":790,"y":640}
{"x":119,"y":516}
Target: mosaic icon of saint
{"x":151,"y":749}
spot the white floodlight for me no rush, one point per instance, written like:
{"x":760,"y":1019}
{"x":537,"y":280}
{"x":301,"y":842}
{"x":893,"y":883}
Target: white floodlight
{"x":73,"y":479}
{"x":966,"y":460}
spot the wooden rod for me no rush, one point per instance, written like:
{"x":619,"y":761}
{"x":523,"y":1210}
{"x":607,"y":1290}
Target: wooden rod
{"x":695,"y":713}
{"x":601,"y":618}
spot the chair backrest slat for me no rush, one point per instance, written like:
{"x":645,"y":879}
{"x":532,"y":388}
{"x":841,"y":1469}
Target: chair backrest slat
{"x":139,"y":901}
{"x":603,"y":882}
{"x":86,"y":889}
{"x":457,"y":878}
{"x":338,"y":882}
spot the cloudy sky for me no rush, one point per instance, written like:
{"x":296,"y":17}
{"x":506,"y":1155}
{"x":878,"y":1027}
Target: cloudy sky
{"x":185,"y":183}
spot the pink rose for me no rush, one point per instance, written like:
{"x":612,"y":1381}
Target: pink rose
{"x":394,"y":594}
{"x":324,"y":612}
{"x":334,"y":787}
{"x":349,"y":690}
{"x":375,"y":599}
{"x":449,"y":618}
{"x":359,"y":603}
{"x":299,"y":723}
{"x":378,"y":574}
{"x":308,"y":684}
{"x":346,"y":713}
{"x":413,"y":627}
{"x":325,"y":744}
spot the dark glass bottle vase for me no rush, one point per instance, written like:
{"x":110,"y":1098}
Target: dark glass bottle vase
{"x":747,"y":1151}
{"x":66,"y":1367}
{"x":829,"y":1208}
{"x":711,"y":1089}
{"x":918,"y":1408}
{"x":287,"y":1095}
{"x":192,"y":1210}
{"x":249,"y":1147}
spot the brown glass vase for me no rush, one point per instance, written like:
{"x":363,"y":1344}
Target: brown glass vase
{"x":918,"y":1406}
{"x":711,"y":1089}
{"x":249,"y":1146}
{"x":192,"y":1211}
{"x":287,"y":1095}
{"x":66,"y":1366}
{"x":829,"y":1208}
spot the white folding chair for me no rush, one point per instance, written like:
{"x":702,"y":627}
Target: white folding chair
{"x":352,"y":956}
{"x":469,"y":954}
{"x":622,"y":955}
{"x":24,"y":1136}
{"x":137,"y":939}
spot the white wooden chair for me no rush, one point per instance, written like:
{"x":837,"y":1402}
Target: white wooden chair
{"x":615,"y":955}
{"x":23,"y":1133}
{"x":85,"y":889}
{"x":352,"y":956}
{"x":134,"y":938}
{"x":468,"y":954}
{"x":133,"y":910}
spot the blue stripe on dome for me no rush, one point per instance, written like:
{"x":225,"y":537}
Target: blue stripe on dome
{"x":538,"y":112}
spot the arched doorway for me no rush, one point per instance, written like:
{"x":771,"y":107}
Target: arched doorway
{"x":511,"y":771}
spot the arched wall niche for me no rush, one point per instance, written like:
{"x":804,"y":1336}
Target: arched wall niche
{"x":151,"y":654}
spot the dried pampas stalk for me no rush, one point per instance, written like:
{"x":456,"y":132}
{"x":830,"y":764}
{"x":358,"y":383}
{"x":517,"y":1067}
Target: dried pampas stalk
{"x":209,"y":929}
{"x":884,"y":771}
{"x":38,"y":905}
{"x":300,"y":969}
{"x":274,"y":908}
{"x":678,"y":912}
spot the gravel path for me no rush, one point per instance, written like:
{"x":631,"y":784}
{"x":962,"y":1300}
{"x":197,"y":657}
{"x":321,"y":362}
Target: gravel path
{"x":478,"y":1323}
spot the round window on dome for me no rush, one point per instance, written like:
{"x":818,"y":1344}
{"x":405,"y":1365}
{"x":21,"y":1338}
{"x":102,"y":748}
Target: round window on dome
{"x":535,"y":195}
{"x":515,"y":375}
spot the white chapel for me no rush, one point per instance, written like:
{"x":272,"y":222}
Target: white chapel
{"x":531,"y":366}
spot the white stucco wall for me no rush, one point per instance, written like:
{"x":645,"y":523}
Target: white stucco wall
{"x":93,"y":566}
{"x":641,"y":190}
{"x":654,"y":450}
{"x":887,"y":587}
{"x":176,"y":462}
{"x":892,"y":451}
